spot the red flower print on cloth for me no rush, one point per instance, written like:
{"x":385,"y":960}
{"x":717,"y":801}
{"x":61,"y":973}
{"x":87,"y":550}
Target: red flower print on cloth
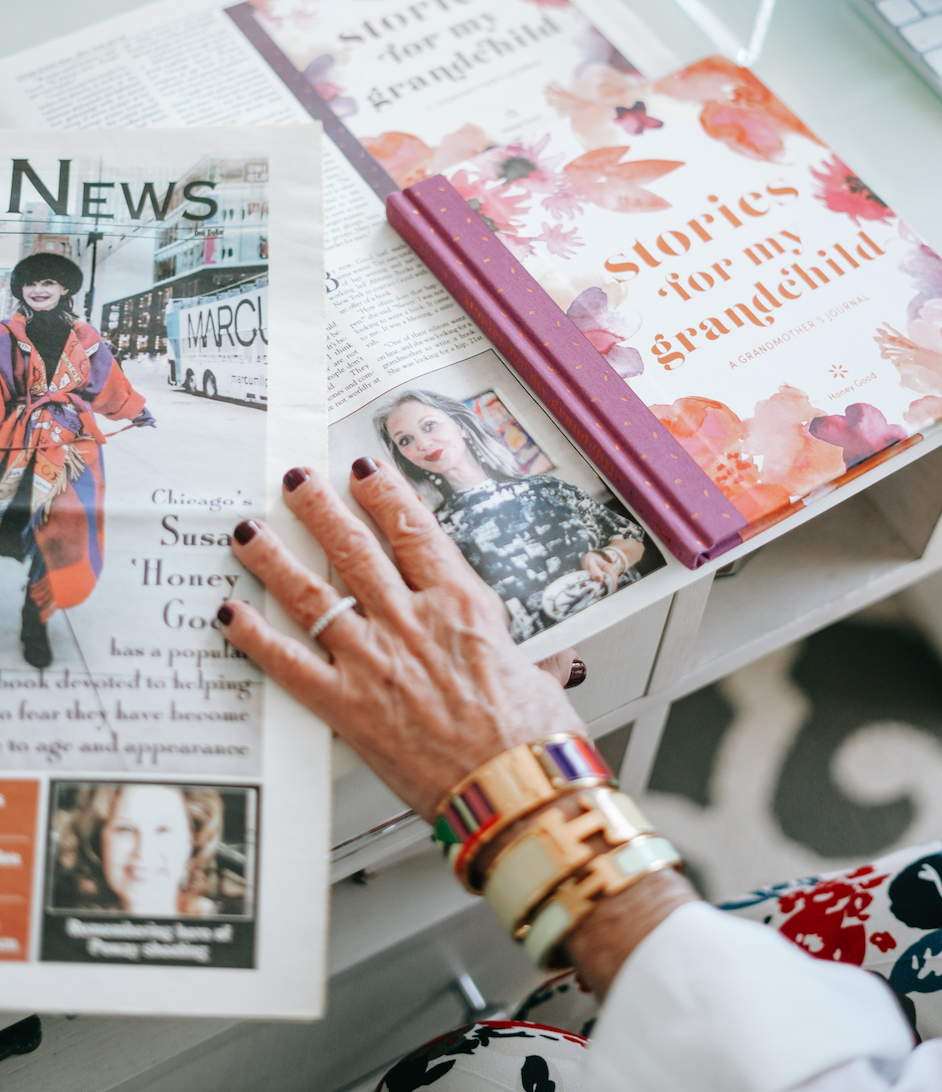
{"x":842,"y":191}
{"x":827,"y":920}
{"x":884,"y":941}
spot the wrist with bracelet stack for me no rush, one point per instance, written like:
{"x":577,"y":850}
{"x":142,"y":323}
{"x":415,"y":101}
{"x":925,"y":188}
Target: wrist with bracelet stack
{"x":546,"y":880}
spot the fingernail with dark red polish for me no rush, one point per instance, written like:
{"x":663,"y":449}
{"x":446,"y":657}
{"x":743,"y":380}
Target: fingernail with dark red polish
{"x":245,"y":532}
{"x":294,"y":478}
{"x":577,"y":674}
{"x":363,"y":468}
{"x":225,"y":615}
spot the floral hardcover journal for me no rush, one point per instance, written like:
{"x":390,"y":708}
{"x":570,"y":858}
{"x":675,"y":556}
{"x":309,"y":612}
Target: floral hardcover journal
{"x":761,"y":304}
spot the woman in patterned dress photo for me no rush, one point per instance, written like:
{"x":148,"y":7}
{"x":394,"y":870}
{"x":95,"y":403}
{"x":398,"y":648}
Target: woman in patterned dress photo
{"x":56,"y":373}
{"x":545,"y":546}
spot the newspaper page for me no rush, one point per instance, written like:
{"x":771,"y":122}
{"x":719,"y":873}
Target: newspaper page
{"x":160,"y":293}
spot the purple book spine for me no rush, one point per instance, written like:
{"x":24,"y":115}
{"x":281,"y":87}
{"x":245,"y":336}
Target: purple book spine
{"x":608,"y":421}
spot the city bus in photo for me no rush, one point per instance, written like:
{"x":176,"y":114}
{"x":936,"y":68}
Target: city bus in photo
{"x":217,"y":343}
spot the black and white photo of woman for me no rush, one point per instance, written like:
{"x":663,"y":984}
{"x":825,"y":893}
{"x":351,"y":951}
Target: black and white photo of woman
{"x":546,"y":546}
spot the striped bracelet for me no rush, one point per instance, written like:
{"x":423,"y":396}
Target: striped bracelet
{"x":510,"y":786}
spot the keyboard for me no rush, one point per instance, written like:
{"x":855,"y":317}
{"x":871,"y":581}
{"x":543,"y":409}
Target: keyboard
{"x":914,"y":29}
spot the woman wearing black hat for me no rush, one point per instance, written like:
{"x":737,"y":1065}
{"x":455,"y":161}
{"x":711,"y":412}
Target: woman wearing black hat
{"x":55,"y":374}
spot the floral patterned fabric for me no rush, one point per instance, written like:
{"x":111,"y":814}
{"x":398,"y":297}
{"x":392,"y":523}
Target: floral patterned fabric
{"x":885,"y":917}
{"x":494,"y":1054}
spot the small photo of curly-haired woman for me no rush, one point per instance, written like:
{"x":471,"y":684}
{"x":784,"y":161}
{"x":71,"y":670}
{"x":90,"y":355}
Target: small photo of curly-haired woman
{"x":149,"y":850}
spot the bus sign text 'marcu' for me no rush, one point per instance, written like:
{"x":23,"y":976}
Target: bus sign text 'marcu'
{"x":221,"y":320}
{"x":97,"y":196}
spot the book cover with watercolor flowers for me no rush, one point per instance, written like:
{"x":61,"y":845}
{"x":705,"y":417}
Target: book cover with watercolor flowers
{"x":427,"y":84}
{"x":769,"y":309}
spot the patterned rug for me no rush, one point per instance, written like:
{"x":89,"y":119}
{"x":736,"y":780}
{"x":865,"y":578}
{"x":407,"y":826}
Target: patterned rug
{"x":823,"y":755}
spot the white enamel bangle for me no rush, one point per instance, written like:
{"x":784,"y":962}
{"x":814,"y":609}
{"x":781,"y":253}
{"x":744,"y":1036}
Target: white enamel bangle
{"x":552,"y":849}
{"x":330,"y":616}
{"x":574,"y":900}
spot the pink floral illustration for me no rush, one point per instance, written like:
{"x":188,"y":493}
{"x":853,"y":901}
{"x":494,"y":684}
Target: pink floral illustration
{"x":405,"y":157}
{"x":918,"y":357}
{"x":320,"y":75}
{"x":738,"y":109}
{"x":785,"y":450}
{"x":603,"y":179}
{"x":924,"y":411}
{"x":606,"y":329}
{"x":842,"y":191}
{"x":634,"y":119}
{"x":714,"y":437}
{"x":924,"y":266}
{"x":521,"y":164}
{"x":745,"y":130}
{"x":408,"y":160}
{"x":593,"y":100}
{"x":500,"y":210}
{"x":566,"y":201}
{"x":286,"y":14}
{"x":917,"y":354}
{"x":519,"y":245}
{"x":926,"y":328}
{"x":456,"y":147}
{"x":559,"y":241}
{"x":792,"y":457}
{"x":861,"y":432}
{"x":501,"y":182}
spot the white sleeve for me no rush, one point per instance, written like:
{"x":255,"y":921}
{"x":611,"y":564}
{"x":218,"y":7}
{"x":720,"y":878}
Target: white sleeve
{"x":712,"y":1002}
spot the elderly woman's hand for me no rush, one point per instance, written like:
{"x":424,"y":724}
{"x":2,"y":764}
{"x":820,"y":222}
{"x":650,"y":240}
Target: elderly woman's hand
{"x":426,"y":684}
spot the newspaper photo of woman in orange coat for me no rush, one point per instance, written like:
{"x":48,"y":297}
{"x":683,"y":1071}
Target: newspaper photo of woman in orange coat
{"x":56,"y":373}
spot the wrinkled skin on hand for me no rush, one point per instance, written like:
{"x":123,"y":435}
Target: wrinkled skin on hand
{"x":426,"y":683}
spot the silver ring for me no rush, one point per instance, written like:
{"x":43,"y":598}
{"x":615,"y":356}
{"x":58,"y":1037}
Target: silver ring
{"x":330,"y":616}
